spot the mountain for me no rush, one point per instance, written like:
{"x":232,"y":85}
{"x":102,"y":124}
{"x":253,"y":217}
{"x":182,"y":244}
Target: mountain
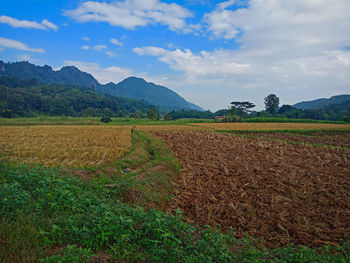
{"x":194,"y":106}
{"x":138,"y":88}
{"x":65,"y":76}
{"x":131,"y":87}
{"x":323,"y":103}
{"x":24,"y":98}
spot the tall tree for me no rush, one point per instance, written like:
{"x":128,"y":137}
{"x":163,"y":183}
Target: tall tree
{"x":271,"y":103}
{"x":153,"y":114}
{"x":241,"y":107}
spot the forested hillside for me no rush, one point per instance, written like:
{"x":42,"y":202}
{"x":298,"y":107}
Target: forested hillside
{"x":138,"y":88}
{"x":323,"y":103}
{"x":30,"y":98}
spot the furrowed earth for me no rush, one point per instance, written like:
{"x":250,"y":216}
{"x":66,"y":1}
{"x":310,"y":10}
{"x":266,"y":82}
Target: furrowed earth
{"x":277,"y":192}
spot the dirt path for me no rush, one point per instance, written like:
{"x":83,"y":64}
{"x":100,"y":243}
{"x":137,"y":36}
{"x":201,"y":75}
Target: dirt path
{"x":280,"y":193}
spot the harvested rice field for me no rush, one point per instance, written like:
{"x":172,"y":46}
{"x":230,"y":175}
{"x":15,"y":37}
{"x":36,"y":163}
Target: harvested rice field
{"x":278,"y":192}
{"x":67,"y":146}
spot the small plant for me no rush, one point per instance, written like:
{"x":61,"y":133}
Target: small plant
{"x":72,"y":253}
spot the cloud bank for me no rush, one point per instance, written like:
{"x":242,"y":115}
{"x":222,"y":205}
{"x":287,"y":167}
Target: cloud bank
{"x":287,"y":47}
{"x":130,"y":14}
{"x":44,"y":25}
{"x":10,"y":43}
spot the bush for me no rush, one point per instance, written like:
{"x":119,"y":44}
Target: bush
{"x":346,"y":118}
{"x":232,"y":118}
{"x":106,"y":119}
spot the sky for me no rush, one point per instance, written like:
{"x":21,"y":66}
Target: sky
{"x":209,"y":52}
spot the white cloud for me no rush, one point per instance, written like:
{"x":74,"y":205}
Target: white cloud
{"x":116,"y":42}
{"x":111,"y":54}
{"x":253,"y":74}
{"x":85,"y":47}
{"x":103,"y":75}
{"x":204,"y":64}
{"x":130,"y":14}
{"x":294,"y":48}
{"x":287,"y":23}
{"x":99,"y":47}
{"x":86,"y":38}
{"x":9,"y":43}
{"x":26,"y":57}
{"x":49,"y":25}
{"x":44,"y":25}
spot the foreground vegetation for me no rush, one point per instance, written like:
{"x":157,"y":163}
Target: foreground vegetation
{"x":54,"y":215}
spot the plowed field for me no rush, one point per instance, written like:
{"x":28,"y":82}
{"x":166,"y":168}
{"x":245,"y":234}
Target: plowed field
{"x":342,"y":140}
{"x":270,"y":126}
{"x":280,"y":193}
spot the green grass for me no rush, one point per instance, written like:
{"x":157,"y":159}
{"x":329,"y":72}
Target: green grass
{"x":47,"y":120}
{"x":287,"y":120}
{"x":152,"y":167}
{"x":48,"y":217}
{"x":66,"y":120}
{"x":132,"y":121}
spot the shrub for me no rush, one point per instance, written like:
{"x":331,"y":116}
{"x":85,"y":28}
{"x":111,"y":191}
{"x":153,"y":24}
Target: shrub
{"x":346,"y":118}
{"x":232,"y":118}
{"x":106,"y":119}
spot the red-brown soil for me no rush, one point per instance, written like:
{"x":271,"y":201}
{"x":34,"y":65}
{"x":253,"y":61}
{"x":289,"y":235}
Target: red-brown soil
{"x":342,"y":140}
{"x":280,"y":193}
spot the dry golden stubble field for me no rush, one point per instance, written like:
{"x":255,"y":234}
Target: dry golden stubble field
{"x":68,"y":146}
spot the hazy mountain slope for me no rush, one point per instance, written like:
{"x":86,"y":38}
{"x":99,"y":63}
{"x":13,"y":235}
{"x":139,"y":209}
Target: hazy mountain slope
{"x":322,"y":103}
{"x":138,"y":88}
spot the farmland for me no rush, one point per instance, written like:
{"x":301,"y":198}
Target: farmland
{"x":191,"y":192}
{"x":65,"y":146}
{"x":270,"y":126}
{"x":278,"y":192}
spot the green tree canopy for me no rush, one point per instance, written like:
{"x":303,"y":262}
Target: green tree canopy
{"x":271,"y":103}
{"x":241,"y":107}
{"x":153,"y":114}
{"x":168,"y":117}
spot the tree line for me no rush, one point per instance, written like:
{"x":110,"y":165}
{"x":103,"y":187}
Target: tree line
{"x":238,"y":110}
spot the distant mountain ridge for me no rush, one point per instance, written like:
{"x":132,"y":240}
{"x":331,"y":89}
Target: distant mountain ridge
{"x":131,"y":87}
{"x":68,"y":75}
{"x":323,"y":103}
{"x":138,"y":88}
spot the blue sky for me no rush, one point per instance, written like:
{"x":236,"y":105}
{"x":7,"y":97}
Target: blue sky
{"x":210,"y":52}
